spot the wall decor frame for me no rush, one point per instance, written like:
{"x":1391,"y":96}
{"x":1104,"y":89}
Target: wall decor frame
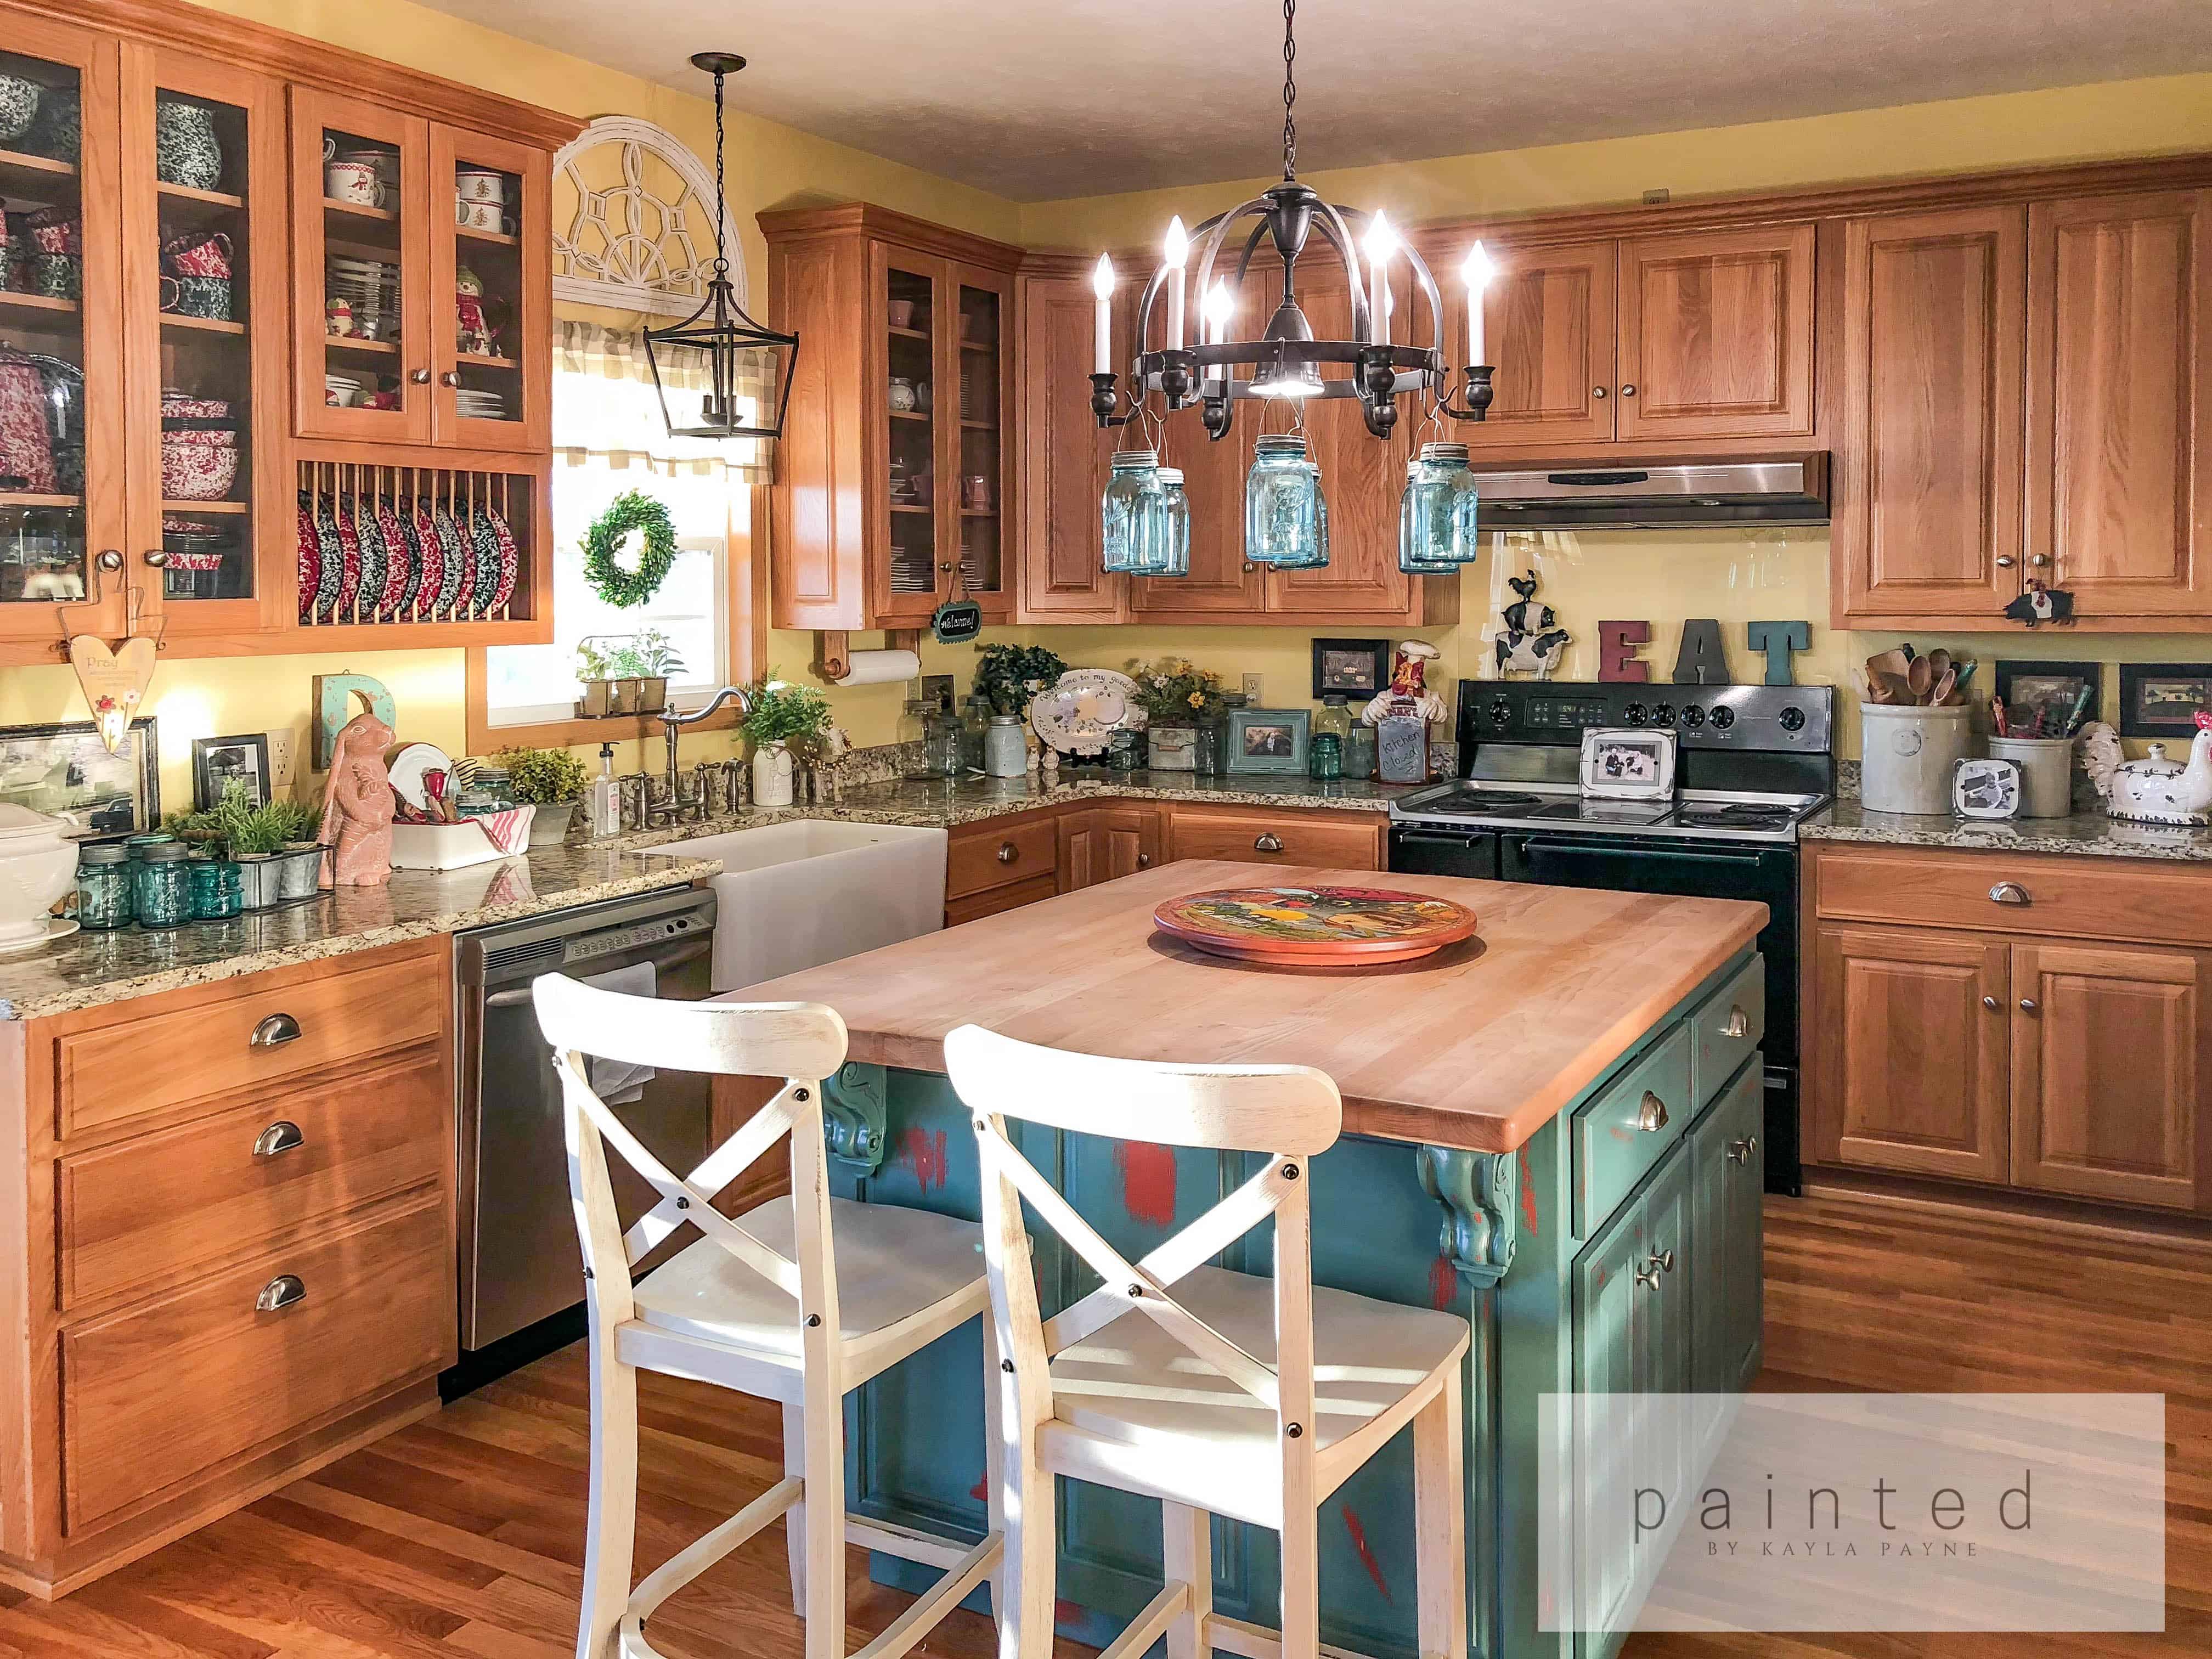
{"x":118,"y":794}
{"x":2049,"y":686}
{"x":2160,"y":699}
{"x":1269,"y":739}
{"x":217,"y":761}
{"x":1350,"y":668}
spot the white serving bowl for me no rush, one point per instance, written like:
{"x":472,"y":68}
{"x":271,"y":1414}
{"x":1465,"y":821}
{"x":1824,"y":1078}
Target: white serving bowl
{"x":37,"y":866}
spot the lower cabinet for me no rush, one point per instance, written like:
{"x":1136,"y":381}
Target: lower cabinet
{"x":1103,"y":842}
{"x":1727,"y":1178}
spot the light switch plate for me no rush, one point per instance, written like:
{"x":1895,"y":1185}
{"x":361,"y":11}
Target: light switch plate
{"x":1254,"y":692}
{"x":280,"y":759}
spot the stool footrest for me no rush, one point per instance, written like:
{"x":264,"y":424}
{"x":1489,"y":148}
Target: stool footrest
{"x":1148,"y":1627}
{"x":687,"y":1564}
{"x":930,"y":1549}
{"x":918,"y":1621}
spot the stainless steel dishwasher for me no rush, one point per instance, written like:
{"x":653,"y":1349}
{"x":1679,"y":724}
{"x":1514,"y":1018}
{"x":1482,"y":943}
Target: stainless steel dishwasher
{"x":519,"y":1262}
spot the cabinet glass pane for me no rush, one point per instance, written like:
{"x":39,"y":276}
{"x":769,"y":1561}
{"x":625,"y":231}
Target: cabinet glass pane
{"x":42,"y":441}
{"x":909,"y":310}
{"x":364,"y":308}
{"x":209,"y":337}
{"x":981,"y":570}
{"x":489,"y":236}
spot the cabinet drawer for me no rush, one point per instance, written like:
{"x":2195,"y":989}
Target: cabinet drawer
{"x":111,"y":1073}
{"x":157,"y":1207}
{"x":1332,"y":840}
{"x":1613,"y":1148}
{"x":2076,"y":897}
{"x":166,"y":1390}
{"x":1727,"y":1027}
{"x":999,"y":856}
{"x":996,"y":899}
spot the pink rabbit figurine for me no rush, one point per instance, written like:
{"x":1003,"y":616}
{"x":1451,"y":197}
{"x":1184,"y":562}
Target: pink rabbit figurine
{"x":358,"y":803}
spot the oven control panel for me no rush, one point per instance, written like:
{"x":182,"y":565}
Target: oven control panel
{"x":616,"y":940}
{"x":1784,"y":718}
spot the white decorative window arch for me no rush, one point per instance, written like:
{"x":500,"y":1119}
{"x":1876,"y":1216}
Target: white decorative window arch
{"x":640,"y":234}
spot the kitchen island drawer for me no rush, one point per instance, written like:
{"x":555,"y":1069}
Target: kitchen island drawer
{"x":1727,"y":1026}
{"x":159,"y":1207}
{"x":1622,"y":1133}
{"x":2075,"y":897}
{"x":195,"y":1049}
{"x":163,"y":1391}
{"x":1001,"y":854}
{"x":1336,"y":841}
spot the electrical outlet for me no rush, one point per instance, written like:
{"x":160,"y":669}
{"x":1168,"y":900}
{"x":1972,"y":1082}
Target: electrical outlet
{"x":1254,"y":692}
{"x":280,"y":759}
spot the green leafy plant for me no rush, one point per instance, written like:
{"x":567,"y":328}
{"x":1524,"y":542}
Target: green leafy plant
{"x":782,"y":711}
{"x":236,"y":825}
{"x":544,"y":777}
{"x":1174,"y":691}
{"x":1010,"y":675}
{"x":297,"y":820}
{"x":647,"y":655}
{"x":592,"y":663}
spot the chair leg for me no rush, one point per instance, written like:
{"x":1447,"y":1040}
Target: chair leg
{"x":994,"y":1459}
{"x":1301,"y":1585}
{"x":1030,"y":1565}
{"x":612,"y":1527}
{"x":1440,"y":1524}
{"x":1187,"y":1553}
{"x":794,"y":1518}
{"x":823,"y":1532}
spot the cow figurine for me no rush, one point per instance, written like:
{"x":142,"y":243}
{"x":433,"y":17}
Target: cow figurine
{"x":2042,"y":605}
{"x":1530,"y":644}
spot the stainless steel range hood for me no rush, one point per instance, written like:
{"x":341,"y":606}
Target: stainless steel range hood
{"x":1771,"y":490}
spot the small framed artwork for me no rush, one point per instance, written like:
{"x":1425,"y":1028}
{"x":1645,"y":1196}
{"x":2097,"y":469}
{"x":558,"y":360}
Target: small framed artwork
{"x":2160,"y":699}
{"x":2049,"y":690}
{"x":65,"y":767}
{"x":1350,"y":668}
{"x":1268,"y":739}
{"x":219,"y":761}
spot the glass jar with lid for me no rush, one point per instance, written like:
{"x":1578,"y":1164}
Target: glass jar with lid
{"x":1333,"y":717}
{"x":1172,"y":555}
{"x":1436,"y":516}
{"x":1285,"y":523}
{"x":103,"y":886}
{"x":218,"y":892}
{"x":162,"y":892}
{"x":1134,"y":513}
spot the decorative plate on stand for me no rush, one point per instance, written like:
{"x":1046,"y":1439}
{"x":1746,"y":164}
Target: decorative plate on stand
{"x":1079,"y":712}
{"x":1353,"y":926}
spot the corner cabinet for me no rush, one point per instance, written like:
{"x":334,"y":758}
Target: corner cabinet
{"x":895,"y":477}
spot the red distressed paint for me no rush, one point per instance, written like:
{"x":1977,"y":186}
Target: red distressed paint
{"x":1065,"y":1612}
{"x":1358,"y":1535}
{"x":981,"y":1491}
{"x":1148,"y":1182}
{"x":923,"y":1150}
{"x":1444,"y":1283}
{"x":1527,"y":1195}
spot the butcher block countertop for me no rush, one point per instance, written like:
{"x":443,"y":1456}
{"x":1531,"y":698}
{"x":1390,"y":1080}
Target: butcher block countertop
{"x":1476,"y":1048}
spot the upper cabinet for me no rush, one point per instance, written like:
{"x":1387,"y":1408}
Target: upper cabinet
{"x":1061,"y":454}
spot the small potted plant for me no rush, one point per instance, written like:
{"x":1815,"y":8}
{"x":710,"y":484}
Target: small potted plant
{"x":780,"y":712}
{"x":649,"y":660}
{"x":301,"y":855}
{"x":595,"y":669}
{"x":551,"y":780}
{"x":252,"y":835}
{"x":1177,"y":697}
{"x":1010,"y":675}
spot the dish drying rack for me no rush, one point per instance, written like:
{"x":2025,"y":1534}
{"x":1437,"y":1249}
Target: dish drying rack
{"x":364,"y":582}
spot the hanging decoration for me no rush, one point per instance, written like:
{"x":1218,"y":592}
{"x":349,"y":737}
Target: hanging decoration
{"x":114,"y":681}
{"x":1529,"y":644}
{"x":632,"y":510}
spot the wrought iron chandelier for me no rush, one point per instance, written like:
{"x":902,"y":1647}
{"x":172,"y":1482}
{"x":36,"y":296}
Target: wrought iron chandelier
{"x":735,"y":365}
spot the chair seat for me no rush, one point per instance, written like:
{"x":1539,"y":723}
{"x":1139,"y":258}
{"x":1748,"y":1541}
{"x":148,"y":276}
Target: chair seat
{"x":1190,"y":1429}
{"x":892,"y":1263}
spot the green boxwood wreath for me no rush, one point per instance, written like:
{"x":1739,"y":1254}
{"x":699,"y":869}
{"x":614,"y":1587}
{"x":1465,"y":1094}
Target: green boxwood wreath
{"x":632,"y":510}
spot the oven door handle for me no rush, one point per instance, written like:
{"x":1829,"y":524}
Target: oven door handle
{"x":521,"y":993}
{"x":1533,"y":846}
{"x":1446,"y":837}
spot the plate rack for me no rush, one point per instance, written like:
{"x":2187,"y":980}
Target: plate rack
{"x":416,"y":548}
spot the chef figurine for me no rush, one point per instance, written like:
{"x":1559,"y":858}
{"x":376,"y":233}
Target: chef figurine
{"x":358,"y":803}
{"x":1407,"y":694}
{"x":476,"y":335}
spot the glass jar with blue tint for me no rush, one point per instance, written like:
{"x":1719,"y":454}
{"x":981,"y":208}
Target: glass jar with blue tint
{"x":1325,"y":756}
{"x":1436,"y":516}
{"x":1133,"y":513}
{"x":1174,"y":550}
{"x":103,"y":886}
{"x":217,"y":891}
{"x":1285,"y":520}
{"x":161,"y":891}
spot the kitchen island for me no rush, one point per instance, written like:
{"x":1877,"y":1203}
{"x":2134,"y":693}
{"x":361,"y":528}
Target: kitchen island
{"x":1551,"y":1128}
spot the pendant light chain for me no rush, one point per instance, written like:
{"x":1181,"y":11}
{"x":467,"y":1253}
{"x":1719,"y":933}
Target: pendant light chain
{"x":722,"y":256}
{"x":1290,"y":91}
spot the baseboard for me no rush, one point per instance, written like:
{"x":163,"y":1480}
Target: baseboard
{"x":2030,"y":1209}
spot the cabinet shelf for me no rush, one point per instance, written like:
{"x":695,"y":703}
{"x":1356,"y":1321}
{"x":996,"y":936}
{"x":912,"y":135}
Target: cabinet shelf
{"x":921,"y":334}
{"x":979,"y":345}
{"x":497,"y":239}
{"x":978,"y":512}
{"x":904,"y":506}
{"x":373,"y":347}
{"x":206,"y":506}
{"x":37,"y":177}
{"x":482,"y":360}
{"x":27,"y":498}
{"x":979,"y":426}
{"x":909,"y":414}
{"x":201,"y":324}
{"x":361,"y":211}
{"x":36,"y":302}
{"x":185,"y":196}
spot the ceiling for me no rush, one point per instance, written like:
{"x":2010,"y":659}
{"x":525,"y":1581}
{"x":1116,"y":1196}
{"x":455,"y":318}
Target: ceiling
{"x":1038,"y":99}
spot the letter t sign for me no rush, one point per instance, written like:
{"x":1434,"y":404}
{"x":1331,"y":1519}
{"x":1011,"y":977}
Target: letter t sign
{"x":1778,"y":639}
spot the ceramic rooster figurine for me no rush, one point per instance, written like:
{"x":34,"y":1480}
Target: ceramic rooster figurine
{"x":2155,"y":790}
{"x":358,"y":803}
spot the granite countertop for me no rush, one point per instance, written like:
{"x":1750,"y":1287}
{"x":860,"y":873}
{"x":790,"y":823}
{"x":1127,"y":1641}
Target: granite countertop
{"x":87,"y":968}
{"x":2090,"y":834}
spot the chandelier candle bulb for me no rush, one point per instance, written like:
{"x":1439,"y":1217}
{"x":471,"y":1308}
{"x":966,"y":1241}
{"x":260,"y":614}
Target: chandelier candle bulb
{"x":1381,"y":241}
{"x":1178,"y":249}
{"x":1477,"y":270}
{"x":1219,"y":306}
{"x":1102,"y":284}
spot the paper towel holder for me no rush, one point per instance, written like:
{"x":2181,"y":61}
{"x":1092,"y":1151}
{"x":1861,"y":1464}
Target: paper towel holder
{"x":833,"y":649}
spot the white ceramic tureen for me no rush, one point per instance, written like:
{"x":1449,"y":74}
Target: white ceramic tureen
{"x":37,"y":866}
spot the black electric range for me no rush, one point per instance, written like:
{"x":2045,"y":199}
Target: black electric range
{"x":1752,"y":760}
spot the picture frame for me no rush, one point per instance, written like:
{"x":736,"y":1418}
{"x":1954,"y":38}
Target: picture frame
{"x":2049,"y":688}
{"x":2160,"y":699}
{"x":215,"y":761}
{"x":1268,"y":739}
{"x":64,"y":766}
{"x":1350,"y":668}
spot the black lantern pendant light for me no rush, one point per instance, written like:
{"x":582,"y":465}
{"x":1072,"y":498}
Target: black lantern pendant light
{"x":730,"y":361}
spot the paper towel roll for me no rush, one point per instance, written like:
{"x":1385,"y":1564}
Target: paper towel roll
{"x":881,"y":667}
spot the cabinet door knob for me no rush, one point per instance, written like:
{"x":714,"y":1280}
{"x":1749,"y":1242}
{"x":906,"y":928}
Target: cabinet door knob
{"x":109,"y":559}
{"x":282,"y":1136}
{"x":2027,"y":1004}
{"x":285,"y":1291}
{"x":1628,"y":391}
{"x":1600,"y":391}
{"x":1268,"y":842}
{"x":1649,"y":1280}
{"x":2005,"y":561}
{"x":1144,"y":861}
{"x":420,"y":377}
{"x":1652,"y":1116}
{"x":2009,"y":892}
{"x":1990,"y":1003}
{"x":274,"y":1032}
{"x":2039,"y":558}
{"x":945,"y":564}
{"x":1663,"y":1260}
{"x":1739,"y":1023}
{"x":157,"y":558}
{"x":1739,"y":1152}
{"x":1008,"y":852}
{"x":449,"y":380}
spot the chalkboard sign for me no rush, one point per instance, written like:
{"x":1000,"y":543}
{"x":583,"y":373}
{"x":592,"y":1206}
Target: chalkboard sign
{"x":956,"y":621}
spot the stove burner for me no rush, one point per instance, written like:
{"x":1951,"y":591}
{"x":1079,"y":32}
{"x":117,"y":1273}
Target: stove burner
{"x":1739,"y":815}
{"x":1481,"y":800}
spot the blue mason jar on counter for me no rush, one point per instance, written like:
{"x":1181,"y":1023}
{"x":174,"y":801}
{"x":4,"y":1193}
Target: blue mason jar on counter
{"x":218,"y":892}
{"x":162,"y":892}
{"x":103,"y":886}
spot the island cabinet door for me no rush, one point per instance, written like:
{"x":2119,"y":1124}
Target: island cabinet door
{"x":1726,"y":1174}
{"x":1908,"y":1068}
{"x":2109,"y":1048}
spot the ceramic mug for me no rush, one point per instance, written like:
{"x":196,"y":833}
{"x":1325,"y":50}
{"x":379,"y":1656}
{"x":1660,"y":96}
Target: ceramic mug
{"x":482,"y":216}
{"x":54,"y":230}
{"x":975,"y":492}
{"x":353,"y":182}
{"x":207,"y":297}
{"x":474,"y":184}
{"x":198,"y":254}
{"x":56,"y":276}
{"x":901,"y":313}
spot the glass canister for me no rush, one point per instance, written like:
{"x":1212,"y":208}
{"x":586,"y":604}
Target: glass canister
{"x":103,"y":886}
{"x":1359,"y":751}
{"x":975,"y":719}
{"x":1335,"y":719}
{"x":1285,"y":523}
{"x":1174,"y":550}
{"x":940,"y":746}
{"x":1006,"y":753}
{"x":161,"y":891}
{"x":1436,"y":516}
{"x":134,"y":847}
{"x":1325,"y":756}
{"x":1133,"y":513}
{"x":217,"y":892}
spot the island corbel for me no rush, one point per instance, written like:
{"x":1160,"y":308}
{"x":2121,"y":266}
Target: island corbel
{"x":1477,"y":1191}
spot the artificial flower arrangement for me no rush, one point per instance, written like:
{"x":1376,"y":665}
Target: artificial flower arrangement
{"x":1174,"y":691}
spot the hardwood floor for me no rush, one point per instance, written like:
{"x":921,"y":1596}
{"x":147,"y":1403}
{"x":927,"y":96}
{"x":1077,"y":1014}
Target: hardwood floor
{"x":461,"y":1537}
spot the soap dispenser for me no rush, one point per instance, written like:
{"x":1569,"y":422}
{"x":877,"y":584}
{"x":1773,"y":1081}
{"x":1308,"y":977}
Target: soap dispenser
{"x":606,"y":795}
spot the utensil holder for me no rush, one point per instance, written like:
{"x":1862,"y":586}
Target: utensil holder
{"x":1906,"y":755}
{"x":2046,"y":773}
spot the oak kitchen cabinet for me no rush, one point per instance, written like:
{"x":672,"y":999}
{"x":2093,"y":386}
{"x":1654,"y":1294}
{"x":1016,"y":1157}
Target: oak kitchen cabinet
{"x":1101,"y":842}
{"x":2037,"y":1022}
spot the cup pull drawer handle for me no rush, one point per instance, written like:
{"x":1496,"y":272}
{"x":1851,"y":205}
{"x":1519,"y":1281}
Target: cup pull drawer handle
{"x":1739,"y":1023}
{"x":274,"y":1032}
{"x":1652,"y":1116}
{"x":282,"y":1136}
{"x":1268,"y":841}
{"x":285,"y":1291}
{"x":1008,"y":852}
{"x":2007,"y":892}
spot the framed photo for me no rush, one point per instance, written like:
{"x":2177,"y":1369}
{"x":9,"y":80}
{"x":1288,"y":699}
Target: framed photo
{"x":1268,"y":739}
{"x":1350,"y":668}
{"x":2160,"y":699}
{"x":66,"y":769}
{"x":216,"y":762}
{"x":2050,"y":688}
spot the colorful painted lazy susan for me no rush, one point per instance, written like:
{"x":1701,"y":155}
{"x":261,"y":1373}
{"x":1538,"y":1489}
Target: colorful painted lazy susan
{"x":1353,"y":926}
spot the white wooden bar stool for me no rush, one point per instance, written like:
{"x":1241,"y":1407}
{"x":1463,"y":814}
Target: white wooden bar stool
{"x":1227,"y":1394}
{"x":798,"y":1300}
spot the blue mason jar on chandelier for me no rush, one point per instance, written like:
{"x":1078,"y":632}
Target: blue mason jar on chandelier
{"x":1436,"y":528}
{"x":1133,"y":513}
{"x":1285,"y":520}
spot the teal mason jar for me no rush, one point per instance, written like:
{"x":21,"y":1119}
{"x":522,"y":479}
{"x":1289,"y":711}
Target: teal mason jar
{"x":1133,"y":512}
{"x":103,"y":886}
{"x":218,"y":892}
{"x":1285,"y":520}
{"x":1174,"y":548}
{"x":162,"y":891}
{"x":1437,"y":527}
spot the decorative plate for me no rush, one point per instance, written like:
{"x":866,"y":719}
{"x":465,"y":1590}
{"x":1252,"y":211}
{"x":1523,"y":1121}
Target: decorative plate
{"x":311,"y":558}
{"x":398,"y":553}
{"x":1079,"y":713}
{"x":487,"y":546}
{"x":374,"y":560}
{"x":330,"y":561}
{"x":429,"y":572}
{"x":348,"y":559}
{"x":406,"y":766}
{"x":1349,"y":924}
{"x":510,"y":560}
{"x":457,"y":574}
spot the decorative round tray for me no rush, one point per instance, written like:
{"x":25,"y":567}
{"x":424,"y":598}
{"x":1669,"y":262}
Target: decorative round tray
{"x":1349,"y":924}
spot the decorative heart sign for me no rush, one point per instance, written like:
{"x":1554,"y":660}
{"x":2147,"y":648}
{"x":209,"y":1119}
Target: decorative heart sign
{"x":115,"y":683}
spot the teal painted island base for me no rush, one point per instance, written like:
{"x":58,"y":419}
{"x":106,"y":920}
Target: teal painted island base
{"x":1617,"y":1250}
